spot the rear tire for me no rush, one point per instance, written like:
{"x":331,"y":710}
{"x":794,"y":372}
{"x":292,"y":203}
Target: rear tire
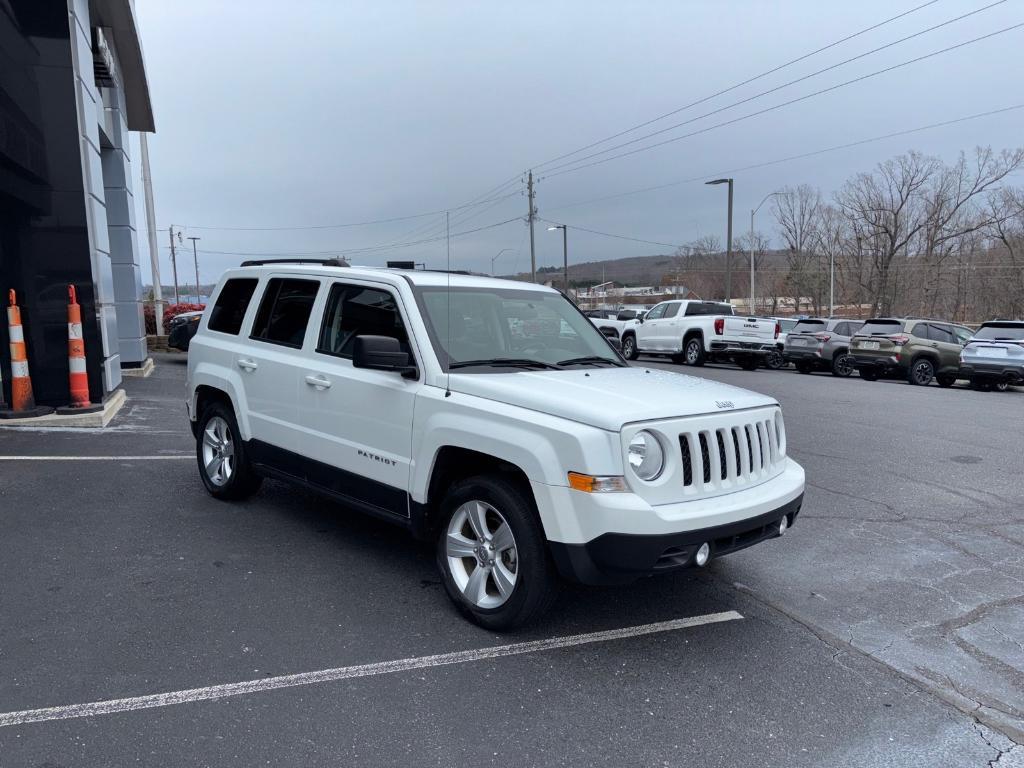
{"x":867,"y":375}
{"x":747,"y":363}
{"x":981,"y":385}
{"x":629,"y":350}
{"x":946,"y":379}
{"x":774,"y":360}
{"x":921,"y":372}
{"x":693,"y":352}
{"x":224,"y":464}
{"x":842,"y":366}
{"x":803,"y":367}
{"x":512,"y":581}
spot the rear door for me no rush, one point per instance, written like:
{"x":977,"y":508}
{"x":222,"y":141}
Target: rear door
{"x":269,"y":364}
{"x":948,"y":345}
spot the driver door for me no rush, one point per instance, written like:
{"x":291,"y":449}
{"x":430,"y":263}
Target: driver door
{"x":651,"y":334}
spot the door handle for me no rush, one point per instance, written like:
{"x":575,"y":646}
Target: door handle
{"x":319,"y":382}
{"x":249,"y":365}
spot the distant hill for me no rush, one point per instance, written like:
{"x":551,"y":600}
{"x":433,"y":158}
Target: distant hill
{"x":630,"y":271}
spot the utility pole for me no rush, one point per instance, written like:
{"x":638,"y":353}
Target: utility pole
{"x":174,"y":264}
{"x":154,"y":253}
{"x":532,"y":214}
{"x":196,"y":260}
{"x":728,"y":241}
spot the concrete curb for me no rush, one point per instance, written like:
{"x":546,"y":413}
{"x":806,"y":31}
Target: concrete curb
{"x":113,"y":404}
{"x":144,"y":371}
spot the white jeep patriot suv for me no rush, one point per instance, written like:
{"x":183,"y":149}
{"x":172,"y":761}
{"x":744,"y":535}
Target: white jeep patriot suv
{"x":488,"y":416}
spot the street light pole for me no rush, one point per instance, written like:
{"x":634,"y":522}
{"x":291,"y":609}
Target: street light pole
{"x":495,"y":256}
{"x":565,"y":253}
{"x":752,"y":212}
{"x":195,"y":259}
{"x":728,"y":241}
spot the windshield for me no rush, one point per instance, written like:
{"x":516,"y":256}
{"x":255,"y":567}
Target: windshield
{"x":1003,"y":332}
{"x":809,"y":326}
{"x":504,"y":329}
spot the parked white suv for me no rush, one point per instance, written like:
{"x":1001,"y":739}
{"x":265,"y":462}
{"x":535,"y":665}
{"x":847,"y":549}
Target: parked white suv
{"x":488,"y":416}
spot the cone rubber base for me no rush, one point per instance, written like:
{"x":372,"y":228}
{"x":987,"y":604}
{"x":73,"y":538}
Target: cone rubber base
{"x":71,"y":410}
{"x":39,"y":410}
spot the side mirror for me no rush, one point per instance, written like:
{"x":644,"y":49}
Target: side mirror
{"x":381,"y":353}
{"x":640,"y":319}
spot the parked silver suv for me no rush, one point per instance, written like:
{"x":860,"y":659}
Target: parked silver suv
{"x":821,"y":344}
{"x":994,"y":356}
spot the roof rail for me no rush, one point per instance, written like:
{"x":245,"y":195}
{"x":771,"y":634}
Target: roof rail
{"x":335,"y":262}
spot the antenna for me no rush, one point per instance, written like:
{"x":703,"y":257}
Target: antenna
{"x":448,"y":271}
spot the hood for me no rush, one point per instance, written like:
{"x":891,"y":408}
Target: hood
{"x":608,"y":398}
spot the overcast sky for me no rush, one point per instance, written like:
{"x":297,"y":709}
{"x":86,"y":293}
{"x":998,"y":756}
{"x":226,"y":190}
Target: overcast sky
{"x":325,"y":112}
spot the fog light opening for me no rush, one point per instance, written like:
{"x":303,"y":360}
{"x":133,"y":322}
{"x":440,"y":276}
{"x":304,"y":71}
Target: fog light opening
{"x":783,"y":524}
{"x":703,"y":554}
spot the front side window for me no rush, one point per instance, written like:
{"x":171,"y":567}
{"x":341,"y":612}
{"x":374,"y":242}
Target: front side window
{"x":229,"y":311}
{"x":356,"y":310}
{"x":498,"y":329}
{"x":657,"y":313}
{"x":942,"y":333}
{"x":284,"y":311}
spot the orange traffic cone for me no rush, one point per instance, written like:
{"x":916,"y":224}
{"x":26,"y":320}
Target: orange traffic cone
{"x":78,"y":377}
{"x":23,"y":404}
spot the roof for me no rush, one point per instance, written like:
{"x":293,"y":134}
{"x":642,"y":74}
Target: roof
{"x":119,"y":17}
{"x":417,"y":277}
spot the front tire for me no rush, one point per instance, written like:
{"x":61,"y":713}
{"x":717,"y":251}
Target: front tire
{"x":629,"y":350}
{"x":224,"y":464}
{"x":492,"y":554}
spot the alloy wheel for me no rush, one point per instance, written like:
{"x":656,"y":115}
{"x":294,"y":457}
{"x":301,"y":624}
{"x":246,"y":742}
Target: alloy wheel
{"x":218,"y":451}
{"x":692,"y":352}
{"x":843,"y":366}
{"x":482,"y":555}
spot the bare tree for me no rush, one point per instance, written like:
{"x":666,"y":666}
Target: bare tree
{"x":797,"y":211}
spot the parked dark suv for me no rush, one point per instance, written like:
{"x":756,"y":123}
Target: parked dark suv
{"x":821,"y":344}
{"x":915,"y":349}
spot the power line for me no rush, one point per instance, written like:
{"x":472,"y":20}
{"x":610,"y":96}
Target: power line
{"x":791,"y":101}
{"x":369,"y":222}
{"x":790,"y":158}
{"x":609,"y":234}
{"x":738,"y":85}
{"x":779,"y":87}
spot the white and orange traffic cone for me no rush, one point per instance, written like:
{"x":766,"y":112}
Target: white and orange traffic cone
{"x":23,"y":404}
{"x":78,"y":377}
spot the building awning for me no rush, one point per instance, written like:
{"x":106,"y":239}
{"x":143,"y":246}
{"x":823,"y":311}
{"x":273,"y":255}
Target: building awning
{"x":119,"y":17}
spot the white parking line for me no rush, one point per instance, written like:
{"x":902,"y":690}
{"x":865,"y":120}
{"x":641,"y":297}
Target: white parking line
{"x":343,"y":673}
{"x":97,"y":458}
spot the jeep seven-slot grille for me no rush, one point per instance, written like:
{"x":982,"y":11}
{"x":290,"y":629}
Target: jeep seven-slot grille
{"x":730,"y":455}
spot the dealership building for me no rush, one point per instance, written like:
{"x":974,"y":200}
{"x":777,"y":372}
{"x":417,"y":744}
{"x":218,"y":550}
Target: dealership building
{"x":72,"y":86}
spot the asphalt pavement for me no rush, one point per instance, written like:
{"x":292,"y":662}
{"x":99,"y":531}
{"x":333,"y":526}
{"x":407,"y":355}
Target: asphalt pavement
{"x":883,"y":629}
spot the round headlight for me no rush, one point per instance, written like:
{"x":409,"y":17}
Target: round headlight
{"x":646,"y":457}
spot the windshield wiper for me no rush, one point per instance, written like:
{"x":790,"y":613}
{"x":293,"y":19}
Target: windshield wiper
{"x":505,"y":362}
{"x":589,"y":359}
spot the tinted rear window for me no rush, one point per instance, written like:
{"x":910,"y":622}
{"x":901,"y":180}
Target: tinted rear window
{"x":880,"y":327}
{"x":228,"y":312}
{"x":1007,"y":332}
{"x":284,"y":311}
{"x":809,"y":326}
{"x":708,"y":308}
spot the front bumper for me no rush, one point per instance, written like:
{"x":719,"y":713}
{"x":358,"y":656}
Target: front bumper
{"x":620,"y":558}
{"x":614,"y":538}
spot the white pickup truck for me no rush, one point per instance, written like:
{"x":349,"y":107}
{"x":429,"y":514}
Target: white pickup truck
{"x":614,"y":323}
{"x":695,"y":332}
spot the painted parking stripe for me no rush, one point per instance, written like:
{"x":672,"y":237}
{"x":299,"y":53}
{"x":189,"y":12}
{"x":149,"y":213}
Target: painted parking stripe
{"x":98,"y":458}
{"x":152,"y":701}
